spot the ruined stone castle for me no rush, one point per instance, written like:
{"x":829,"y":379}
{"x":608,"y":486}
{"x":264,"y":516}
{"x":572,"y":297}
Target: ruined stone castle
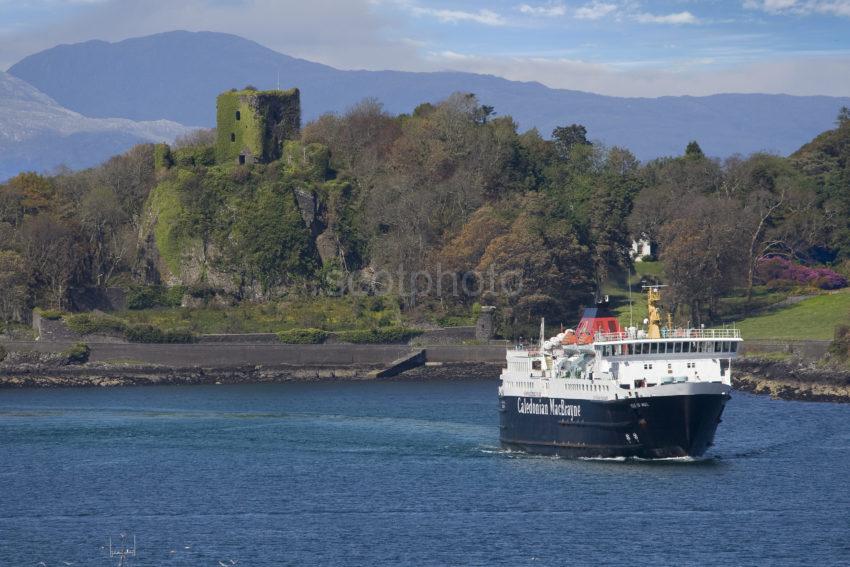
{"x":252,"y":125}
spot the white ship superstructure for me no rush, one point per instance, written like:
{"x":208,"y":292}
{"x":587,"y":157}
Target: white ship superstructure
{"x":605,"y":391}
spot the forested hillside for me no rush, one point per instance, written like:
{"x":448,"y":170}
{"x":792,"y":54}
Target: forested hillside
{"x":440,"y":210}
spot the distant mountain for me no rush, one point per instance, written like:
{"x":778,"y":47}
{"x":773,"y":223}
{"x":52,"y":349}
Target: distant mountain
{"x":176,"y":75}
{"x":38,"y":134}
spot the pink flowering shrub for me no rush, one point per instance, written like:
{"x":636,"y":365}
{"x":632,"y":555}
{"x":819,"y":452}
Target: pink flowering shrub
{"x":780,"y":272}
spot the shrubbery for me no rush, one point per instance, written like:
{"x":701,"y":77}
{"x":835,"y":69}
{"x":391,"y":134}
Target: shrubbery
{"x":780,"y":272}
{"x":77,"y":354}
{"x":303,"y":336}
{"x":3,"y":353}
{"x":150,"y":296}
{"x":91,"y":323}
{"x":379,"y":335}
{"x":50,"y":314}
{"x":151,"y":334}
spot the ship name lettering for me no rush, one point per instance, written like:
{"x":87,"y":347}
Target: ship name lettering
{"x":564,"y":409}
{"x":532,"y":407}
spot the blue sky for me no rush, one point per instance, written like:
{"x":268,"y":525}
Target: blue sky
{"x":624,"y":48}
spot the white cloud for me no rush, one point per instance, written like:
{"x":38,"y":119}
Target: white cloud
{"x":801,"y":7}
{"x":484,"y":17}
{"x":697,"y":77}
{"x":449,"y":55}
{"x":551,"y":10}
{"x":676,"y":19}
{"x":595,"y":10}
{"x":348,"y":34}
{"x":354,"y":35}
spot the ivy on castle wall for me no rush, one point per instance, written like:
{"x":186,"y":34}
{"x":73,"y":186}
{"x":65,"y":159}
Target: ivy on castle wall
{"x":214,"y":218}
{"x":266,"y":119}
{"x":280,"y":116}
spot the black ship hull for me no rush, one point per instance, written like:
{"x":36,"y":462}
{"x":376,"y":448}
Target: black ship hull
{"x":650,"y":428}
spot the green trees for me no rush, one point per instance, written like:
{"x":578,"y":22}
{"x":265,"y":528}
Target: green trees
{"x":14,"y":286}
{"x":567,"y":137}
{"x":271,"y":234}
{"x":843,"y":116}
{"x":693,"y":150}
{"x":451,"y":200}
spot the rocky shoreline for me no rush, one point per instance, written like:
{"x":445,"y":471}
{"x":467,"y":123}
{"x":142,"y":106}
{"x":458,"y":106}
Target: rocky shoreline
{"x":793,"y":379}
{"x":110,"y":375}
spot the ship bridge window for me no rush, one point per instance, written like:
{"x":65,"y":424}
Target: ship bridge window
{"x":653,"y":348}
{"x":734,"y":347}
{"x":677,"y":347}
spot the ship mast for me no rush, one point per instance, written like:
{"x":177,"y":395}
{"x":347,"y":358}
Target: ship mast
{"x":653,"y":298}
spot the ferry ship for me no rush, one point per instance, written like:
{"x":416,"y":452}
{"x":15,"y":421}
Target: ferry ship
{"x":604,"y":391}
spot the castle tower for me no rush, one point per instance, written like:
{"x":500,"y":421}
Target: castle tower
{"x":251,"y":125}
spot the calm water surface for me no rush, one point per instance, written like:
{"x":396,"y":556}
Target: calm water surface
{"x":389,"y":473}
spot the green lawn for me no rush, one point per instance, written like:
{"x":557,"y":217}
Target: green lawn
{"x":813,"y":318}
{"x":654,"y":269}
{"x":617,"y":288}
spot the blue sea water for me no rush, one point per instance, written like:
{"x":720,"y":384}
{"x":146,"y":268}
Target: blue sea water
{"x":398,"y":473}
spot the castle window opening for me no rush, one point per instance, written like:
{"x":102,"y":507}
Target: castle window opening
{"x":232,"y":137}
{"x":241,"y":159}
{"x":238,"y":115}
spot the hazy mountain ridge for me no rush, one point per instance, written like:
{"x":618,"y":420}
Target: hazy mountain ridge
{"x":176,"y":75}
{"x":36,"y":133}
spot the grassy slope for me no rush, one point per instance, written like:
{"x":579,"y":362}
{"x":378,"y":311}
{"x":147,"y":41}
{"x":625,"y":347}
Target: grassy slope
{"x":813,"y":318}
{"x":619,"y":292}
{"x":823,"y":312}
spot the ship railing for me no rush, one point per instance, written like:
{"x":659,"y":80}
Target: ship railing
{"x":671,"y":334}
